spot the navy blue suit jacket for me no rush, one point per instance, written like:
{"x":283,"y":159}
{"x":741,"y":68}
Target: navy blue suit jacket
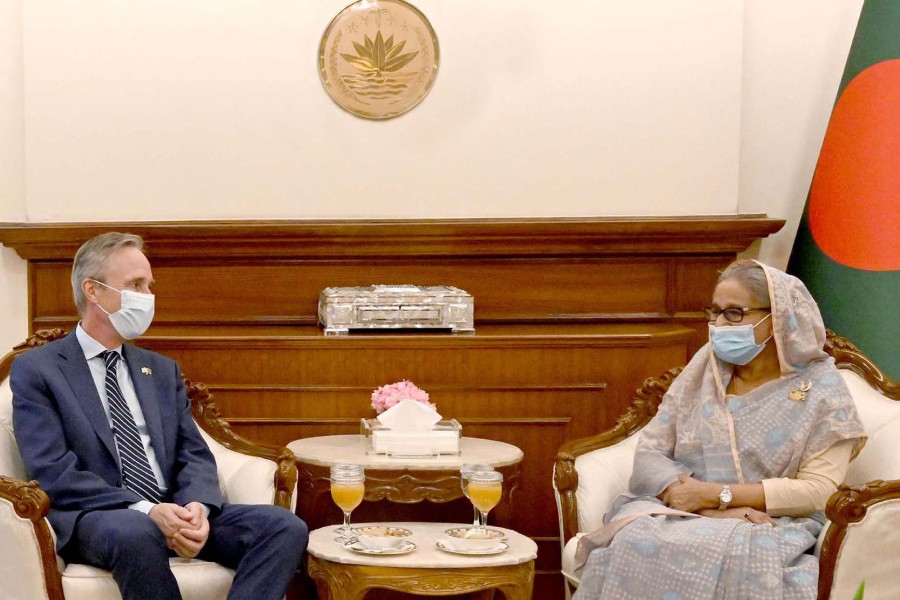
{"x":67,"y":444}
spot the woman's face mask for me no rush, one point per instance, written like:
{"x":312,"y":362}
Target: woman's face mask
{"x":736,"y":344}
{"x":135,"y":314}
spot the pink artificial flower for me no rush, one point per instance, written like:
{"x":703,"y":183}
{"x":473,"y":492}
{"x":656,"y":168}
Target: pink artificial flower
{"x":388,"y":395}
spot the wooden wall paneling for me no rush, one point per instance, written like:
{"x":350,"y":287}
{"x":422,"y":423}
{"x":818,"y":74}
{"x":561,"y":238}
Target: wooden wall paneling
{"x":571,"y":316}
{"x":533,"y":391}
{"x":287,"y":293}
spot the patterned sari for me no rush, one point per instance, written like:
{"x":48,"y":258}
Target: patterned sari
{"x":649,"y":551}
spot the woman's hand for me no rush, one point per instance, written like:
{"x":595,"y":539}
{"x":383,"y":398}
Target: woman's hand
{"x":745,"y":513}
{"x":691,"y":495}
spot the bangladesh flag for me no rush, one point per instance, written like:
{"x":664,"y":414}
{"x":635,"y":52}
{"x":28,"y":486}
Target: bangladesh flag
{"x":847,"y":249}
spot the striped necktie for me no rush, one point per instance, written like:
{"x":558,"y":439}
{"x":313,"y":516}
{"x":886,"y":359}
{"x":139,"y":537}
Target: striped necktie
{"x":136,"y":472}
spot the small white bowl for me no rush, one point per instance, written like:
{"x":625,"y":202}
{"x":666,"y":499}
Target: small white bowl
{"x":381,"y":537}
{"x":469,"y":538}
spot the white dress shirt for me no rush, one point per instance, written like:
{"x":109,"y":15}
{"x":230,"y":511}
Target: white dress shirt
{"x":92,"y":350}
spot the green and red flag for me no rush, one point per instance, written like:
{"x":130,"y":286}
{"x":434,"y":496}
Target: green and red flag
{"x":847,"y":249}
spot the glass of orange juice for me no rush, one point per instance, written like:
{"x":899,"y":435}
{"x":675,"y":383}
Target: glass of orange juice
{"x":348,"y":487}
{"x":464,"y":471}
{"x":485,"y":489}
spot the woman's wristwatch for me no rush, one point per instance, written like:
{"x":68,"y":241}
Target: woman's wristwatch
{"x":725,"y":497}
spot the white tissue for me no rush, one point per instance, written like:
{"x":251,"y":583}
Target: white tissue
{"x":410,"y":432}
{"x":409,"y":415}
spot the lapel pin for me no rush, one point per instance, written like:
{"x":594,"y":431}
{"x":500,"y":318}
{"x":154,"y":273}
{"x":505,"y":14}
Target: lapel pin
{"x":800,"y":393}
{"x":146,"y":370}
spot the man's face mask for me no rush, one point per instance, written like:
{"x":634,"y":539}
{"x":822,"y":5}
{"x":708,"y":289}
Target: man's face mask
{"x":134,"y":316}
{"x":736,"y":344}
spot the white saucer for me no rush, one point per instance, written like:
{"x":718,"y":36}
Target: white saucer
{"x":498,"y":549}
{"x":404,"y":548}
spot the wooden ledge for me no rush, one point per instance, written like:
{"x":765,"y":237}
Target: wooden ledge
{"x":596,"y":236}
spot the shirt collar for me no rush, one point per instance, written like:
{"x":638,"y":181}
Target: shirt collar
{"x":91,"y":347}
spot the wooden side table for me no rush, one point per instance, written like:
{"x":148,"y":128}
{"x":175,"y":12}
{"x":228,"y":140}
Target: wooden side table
{"x":401,"y":480}
{"x":341,"y":574}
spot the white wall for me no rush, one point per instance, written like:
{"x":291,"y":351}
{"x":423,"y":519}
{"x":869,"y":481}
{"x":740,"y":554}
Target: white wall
{"x":794,"y":56}
{"x":12,"y":132}
{"x":13,"y":299}
{"x":169,"y":110}
{"x":166,"y":110}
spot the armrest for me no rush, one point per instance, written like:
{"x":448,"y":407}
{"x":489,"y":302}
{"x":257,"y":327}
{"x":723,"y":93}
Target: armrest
{"x":206,"y":414}
{"x":28,"y":551}
{"x":864,"y":535}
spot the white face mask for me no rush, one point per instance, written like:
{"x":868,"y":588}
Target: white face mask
{"x":135,"y":314}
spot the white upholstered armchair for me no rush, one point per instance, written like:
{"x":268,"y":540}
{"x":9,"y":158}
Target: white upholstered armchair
{"x":862,"y":538}
{"x":249,"y":473}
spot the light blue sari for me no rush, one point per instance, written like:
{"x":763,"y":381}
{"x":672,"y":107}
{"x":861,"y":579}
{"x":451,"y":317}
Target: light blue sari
{"x":649,"y":551}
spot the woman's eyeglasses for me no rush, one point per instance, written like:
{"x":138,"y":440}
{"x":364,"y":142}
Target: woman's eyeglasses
{"x":733,"y":314}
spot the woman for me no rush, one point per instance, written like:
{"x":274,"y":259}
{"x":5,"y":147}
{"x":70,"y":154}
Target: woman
{"x":731,"y":475}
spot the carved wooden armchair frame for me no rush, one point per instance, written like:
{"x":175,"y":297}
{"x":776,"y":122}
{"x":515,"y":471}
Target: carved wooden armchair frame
{"x":848,"y":505}
{"x":32,"y":503}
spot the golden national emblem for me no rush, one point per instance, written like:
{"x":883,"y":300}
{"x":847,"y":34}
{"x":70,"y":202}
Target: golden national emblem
{"x":378,"y":58}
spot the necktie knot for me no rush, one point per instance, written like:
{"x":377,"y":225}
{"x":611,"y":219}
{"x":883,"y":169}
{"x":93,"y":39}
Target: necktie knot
{"x":110,"y":357}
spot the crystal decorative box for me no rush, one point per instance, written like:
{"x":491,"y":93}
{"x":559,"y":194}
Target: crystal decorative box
{"x":443,"y":438}
{"x":342,"y":309}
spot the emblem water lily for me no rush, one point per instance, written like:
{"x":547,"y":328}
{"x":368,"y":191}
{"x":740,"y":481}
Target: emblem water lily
{"x":379,"y":56}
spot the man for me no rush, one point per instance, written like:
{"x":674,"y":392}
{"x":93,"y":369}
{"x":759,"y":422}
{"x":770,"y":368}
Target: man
{"x":106,"y":429}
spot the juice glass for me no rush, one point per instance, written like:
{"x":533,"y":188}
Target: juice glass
{"x":485,"y":489}
{"x":348,"y":487}
{"x":464,"y":471}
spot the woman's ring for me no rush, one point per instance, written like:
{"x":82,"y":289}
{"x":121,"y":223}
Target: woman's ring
{"x":747,"y":515}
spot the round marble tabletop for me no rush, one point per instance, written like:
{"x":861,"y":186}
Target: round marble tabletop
{"x":427,"y":555}
{"x":327,"y":450}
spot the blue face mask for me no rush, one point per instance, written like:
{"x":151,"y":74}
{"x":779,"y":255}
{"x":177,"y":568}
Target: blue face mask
{"x":736,"y":344}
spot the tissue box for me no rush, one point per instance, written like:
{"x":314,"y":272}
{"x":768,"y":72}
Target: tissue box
{"x":443,"y":438}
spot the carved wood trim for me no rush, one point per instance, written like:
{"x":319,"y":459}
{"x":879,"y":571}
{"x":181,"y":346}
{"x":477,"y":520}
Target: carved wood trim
{"x":848,"y":356}
{"x":207,"y":416}
{"x":235,"y":240}
{"x":352,"y":582}
{"x":39,"y":338}
{"x":28,"y":499}
{"x":849,"y":504}
{"x":31,"y":502}
{"x":643,"y":407}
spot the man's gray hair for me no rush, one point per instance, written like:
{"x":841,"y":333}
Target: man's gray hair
{"x":91,"y":257}
{"x":752,"y":276}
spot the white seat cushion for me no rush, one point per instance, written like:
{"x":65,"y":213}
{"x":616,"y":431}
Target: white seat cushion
{"x":10,"y":460}
{"x":878,"y":561}
{"x":602,"y":475}
{"x":881,"y":419}
{"x":197,"y":580}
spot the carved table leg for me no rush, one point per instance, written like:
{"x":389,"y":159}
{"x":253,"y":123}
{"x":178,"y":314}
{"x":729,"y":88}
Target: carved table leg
{"x":337,"y":581}
{"x":522,"y":585}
